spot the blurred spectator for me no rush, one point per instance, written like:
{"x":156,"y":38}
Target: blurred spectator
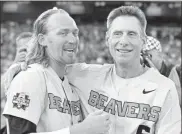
{"x":156,"y":59}
{"x":153,"y":49}
{"x":22,"y":39}
{"x":154,"y":10}
{"x":21,"y":46}
{"x":21,"y":49}
{"x":175,"y":75}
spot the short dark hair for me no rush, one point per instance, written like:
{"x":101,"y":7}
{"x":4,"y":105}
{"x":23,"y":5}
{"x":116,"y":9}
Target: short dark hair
{"x":128,"y":11}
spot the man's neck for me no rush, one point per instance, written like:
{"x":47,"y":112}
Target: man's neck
{"x":59,"y":68}
{"x":129,"y":71}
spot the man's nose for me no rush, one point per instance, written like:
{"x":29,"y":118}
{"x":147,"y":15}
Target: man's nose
{"x":123,"y":40}
{"x":72,"y":39}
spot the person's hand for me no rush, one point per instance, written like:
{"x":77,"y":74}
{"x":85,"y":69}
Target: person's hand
{"x":150,"y":63}
{"x":10,"y":74}
{"x":96,"y":123}
{"x":24,"y":66}
{"x":21,"y":55}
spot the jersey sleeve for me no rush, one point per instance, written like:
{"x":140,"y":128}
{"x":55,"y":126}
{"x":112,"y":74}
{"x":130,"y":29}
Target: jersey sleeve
{"x":25,"y":96}
{"x":75,"y":69}
{"x":175,"y":78}
{"x":170,"y":116}
{"x":80,"y":71}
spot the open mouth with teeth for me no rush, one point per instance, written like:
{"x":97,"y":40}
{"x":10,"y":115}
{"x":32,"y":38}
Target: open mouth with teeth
{"x":123,"y":50}
{"x":69,"y":50}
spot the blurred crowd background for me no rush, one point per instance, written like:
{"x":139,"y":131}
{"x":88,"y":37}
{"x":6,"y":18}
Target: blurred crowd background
{"x":164,"y":23}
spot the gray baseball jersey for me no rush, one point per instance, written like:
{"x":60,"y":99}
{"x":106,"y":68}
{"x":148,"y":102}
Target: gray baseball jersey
{"x":145,"y":104}
{"x":40,"y":96}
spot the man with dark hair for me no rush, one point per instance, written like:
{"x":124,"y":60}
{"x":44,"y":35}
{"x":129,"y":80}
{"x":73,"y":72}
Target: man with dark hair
{"x":139,"y":99}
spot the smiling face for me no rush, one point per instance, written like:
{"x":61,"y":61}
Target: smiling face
{"x":62,"y":38}
{"x":124,"y":40}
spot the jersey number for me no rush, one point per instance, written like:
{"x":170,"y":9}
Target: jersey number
{"x":143,"y":128}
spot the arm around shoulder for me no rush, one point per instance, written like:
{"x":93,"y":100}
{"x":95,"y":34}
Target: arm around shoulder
{"x":25,"y":96}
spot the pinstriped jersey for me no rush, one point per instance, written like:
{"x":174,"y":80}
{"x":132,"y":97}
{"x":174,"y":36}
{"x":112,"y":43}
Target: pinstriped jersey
{"x":144,"y":104}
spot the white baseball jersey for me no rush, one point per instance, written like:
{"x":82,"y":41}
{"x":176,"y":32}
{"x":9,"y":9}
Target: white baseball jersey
{"x":40,"y":96}
{"x":147,"y":104}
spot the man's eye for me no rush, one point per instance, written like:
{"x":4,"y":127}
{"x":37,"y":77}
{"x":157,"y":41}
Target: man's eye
{"x":132,"y":33}
{"x":117,"y":33}
{"x":75,"y":33}
{"x":62,"y":33}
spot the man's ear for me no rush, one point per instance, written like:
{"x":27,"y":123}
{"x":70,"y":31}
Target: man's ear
{"x":107,"y":38}
{"x":42,"y":40}
{"x":144,"y":41}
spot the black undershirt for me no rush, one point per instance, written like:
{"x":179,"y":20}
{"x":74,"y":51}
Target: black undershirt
{"x":20,"y":126}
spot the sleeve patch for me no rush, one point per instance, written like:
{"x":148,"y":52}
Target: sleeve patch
{"x":21,"y":101}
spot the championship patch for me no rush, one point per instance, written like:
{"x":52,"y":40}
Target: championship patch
{"x":21,"y":100}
